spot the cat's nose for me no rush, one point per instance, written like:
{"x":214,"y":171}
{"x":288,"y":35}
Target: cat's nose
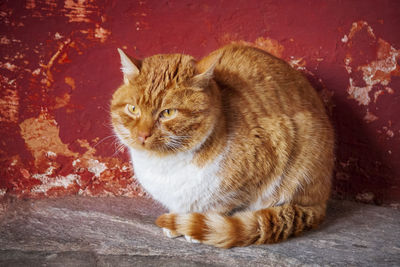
{"x":142,"y":136}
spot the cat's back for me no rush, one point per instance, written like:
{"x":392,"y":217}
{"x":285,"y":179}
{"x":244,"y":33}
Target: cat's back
{"x":275,"y":118}
{"x":255,"y":74}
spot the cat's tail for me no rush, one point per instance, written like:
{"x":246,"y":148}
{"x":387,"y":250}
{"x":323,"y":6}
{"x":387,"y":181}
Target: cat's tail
{"x":268,"y":225}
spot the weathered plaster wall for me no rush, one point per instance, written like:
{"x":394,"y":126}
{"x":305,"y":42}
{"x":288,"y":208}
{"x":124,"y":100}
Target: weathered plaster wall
{"x":59,"y":67}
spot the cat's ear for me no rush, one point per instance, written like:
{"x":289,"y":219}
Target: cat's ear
{"x":202,"y":79}
{"x":128,"y":67}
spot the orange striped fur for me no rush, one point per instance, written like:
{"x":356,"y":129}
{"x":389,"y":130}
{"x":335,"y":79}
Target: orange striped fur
{"x":264,"y":226}
{"x":244,"y":155}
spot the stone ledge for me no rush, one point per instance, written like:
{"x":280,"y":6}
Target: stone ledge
{"x":79,"y":231}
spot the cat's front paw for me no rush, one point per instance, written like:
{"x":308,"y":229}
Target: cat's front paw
{"x":169,"y":233}
{"x":169,"y":223}
{"x":191,"y":240}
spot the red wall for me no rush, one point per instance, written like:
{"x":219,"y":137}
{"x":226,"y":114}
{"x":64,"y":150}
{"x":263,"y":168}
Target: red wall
{"x":59,"y":67}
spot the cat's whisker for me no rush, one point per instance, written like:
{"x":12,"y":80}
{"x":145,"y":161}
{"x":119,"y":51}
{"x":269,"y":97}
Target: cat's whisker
{"x":108,"y":125}
{"x":102,"y":140}
{"x":118,"y":149}
{"x":106,"y":110}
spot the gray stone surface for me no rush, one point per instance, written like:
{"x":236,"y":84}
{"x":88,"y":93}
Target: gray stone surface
{"x":81,"y":231}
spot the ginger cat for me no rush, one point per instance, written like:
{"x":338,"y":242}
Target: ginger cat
{"x":237,"y":146}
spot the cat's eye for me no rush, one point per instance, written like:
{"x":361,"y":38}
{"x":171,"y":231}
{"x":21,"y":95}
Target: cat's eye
{"x":131,"y":110}
{"x":168,"y":113}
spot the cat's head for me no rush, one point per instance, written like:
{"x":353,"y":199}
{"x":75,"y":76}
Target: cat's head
{"x":166,"y":104}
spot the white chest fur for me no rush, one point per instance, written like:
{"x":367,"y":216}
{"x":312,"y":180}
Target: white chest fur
{"x":175,"y":181}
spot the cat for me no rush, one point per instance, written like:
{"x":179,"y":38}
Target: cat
{"x":237,"y":146}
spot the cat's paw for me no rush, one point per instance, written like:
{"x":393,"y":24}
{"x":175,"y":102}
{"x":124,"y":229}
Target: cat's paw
{"x":169,"y":233}
{"x":191,"y":240}
{"x":167,"y":223}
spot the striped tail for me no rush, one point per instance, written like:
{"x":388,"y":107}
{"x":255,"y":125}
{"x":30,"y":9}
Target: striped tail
{"x":264,"y":226}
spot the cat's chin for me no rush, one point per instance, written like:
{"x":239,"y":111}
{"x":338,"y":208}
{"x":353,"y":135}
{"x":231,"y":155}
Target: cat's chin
{"x":158,"y":149}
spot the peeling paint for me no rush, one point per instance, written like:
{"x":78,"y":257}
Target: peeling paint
{"x":42,"y":134}
{"x":9,"y":66}
{"x":101,"y":33}
{"x":4,"y":40}
{"x":62,"y":101}
{"x":49,"y":183}
{"x":96,"y":167}
{"x":49,"y":78}
{"x":78,"y":10}
{"x":359,"y":25}
{"x":270,"y":45}
{"x":367,"y":197}
{"x":388,"y":131}
{"x":51,"y":154}
{"x":9,"y":104}
{"x":298,"y":63}
{"x":58,"y":36}
{"x":70,"y":81}
{"x":370,"y":117}
{"x":360,"y":94}
{"x":30,"y":4}
{"x":377,"y":72}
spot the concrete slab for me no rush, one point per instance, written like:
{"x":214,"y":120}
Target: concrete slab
{"x":79,"y":231}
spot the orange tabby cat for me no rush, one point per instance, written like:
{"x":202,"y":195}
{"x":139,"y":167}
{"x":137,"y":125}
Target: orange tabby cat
{"x":237,"y":146}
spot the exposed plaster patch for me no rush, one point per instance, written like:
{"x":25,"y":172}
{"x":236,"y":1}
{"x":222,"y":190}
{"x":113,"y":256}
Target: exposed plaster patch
{"x":96,"y":167}
{"x":388,"y":132}
{"x":376,"y":72}
{"x":78,"y":10}
{"x":389,"y":90}
{"x":36,"y":72}
{"x":101,"y":33}
{"x":359,"y":25}
{"x":58,"y":36}
{"x":51,"y":154}
{"x":2,"y":192}
{"x":380,"y":70}
{"x":370,"y":117}
{"x":298,"y":63}
{"x":14,"y":162}
{"x":125,"y":168}
{"x":9,"y":66}
{"x":360,"y":94}
{"x":53,"y":182}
